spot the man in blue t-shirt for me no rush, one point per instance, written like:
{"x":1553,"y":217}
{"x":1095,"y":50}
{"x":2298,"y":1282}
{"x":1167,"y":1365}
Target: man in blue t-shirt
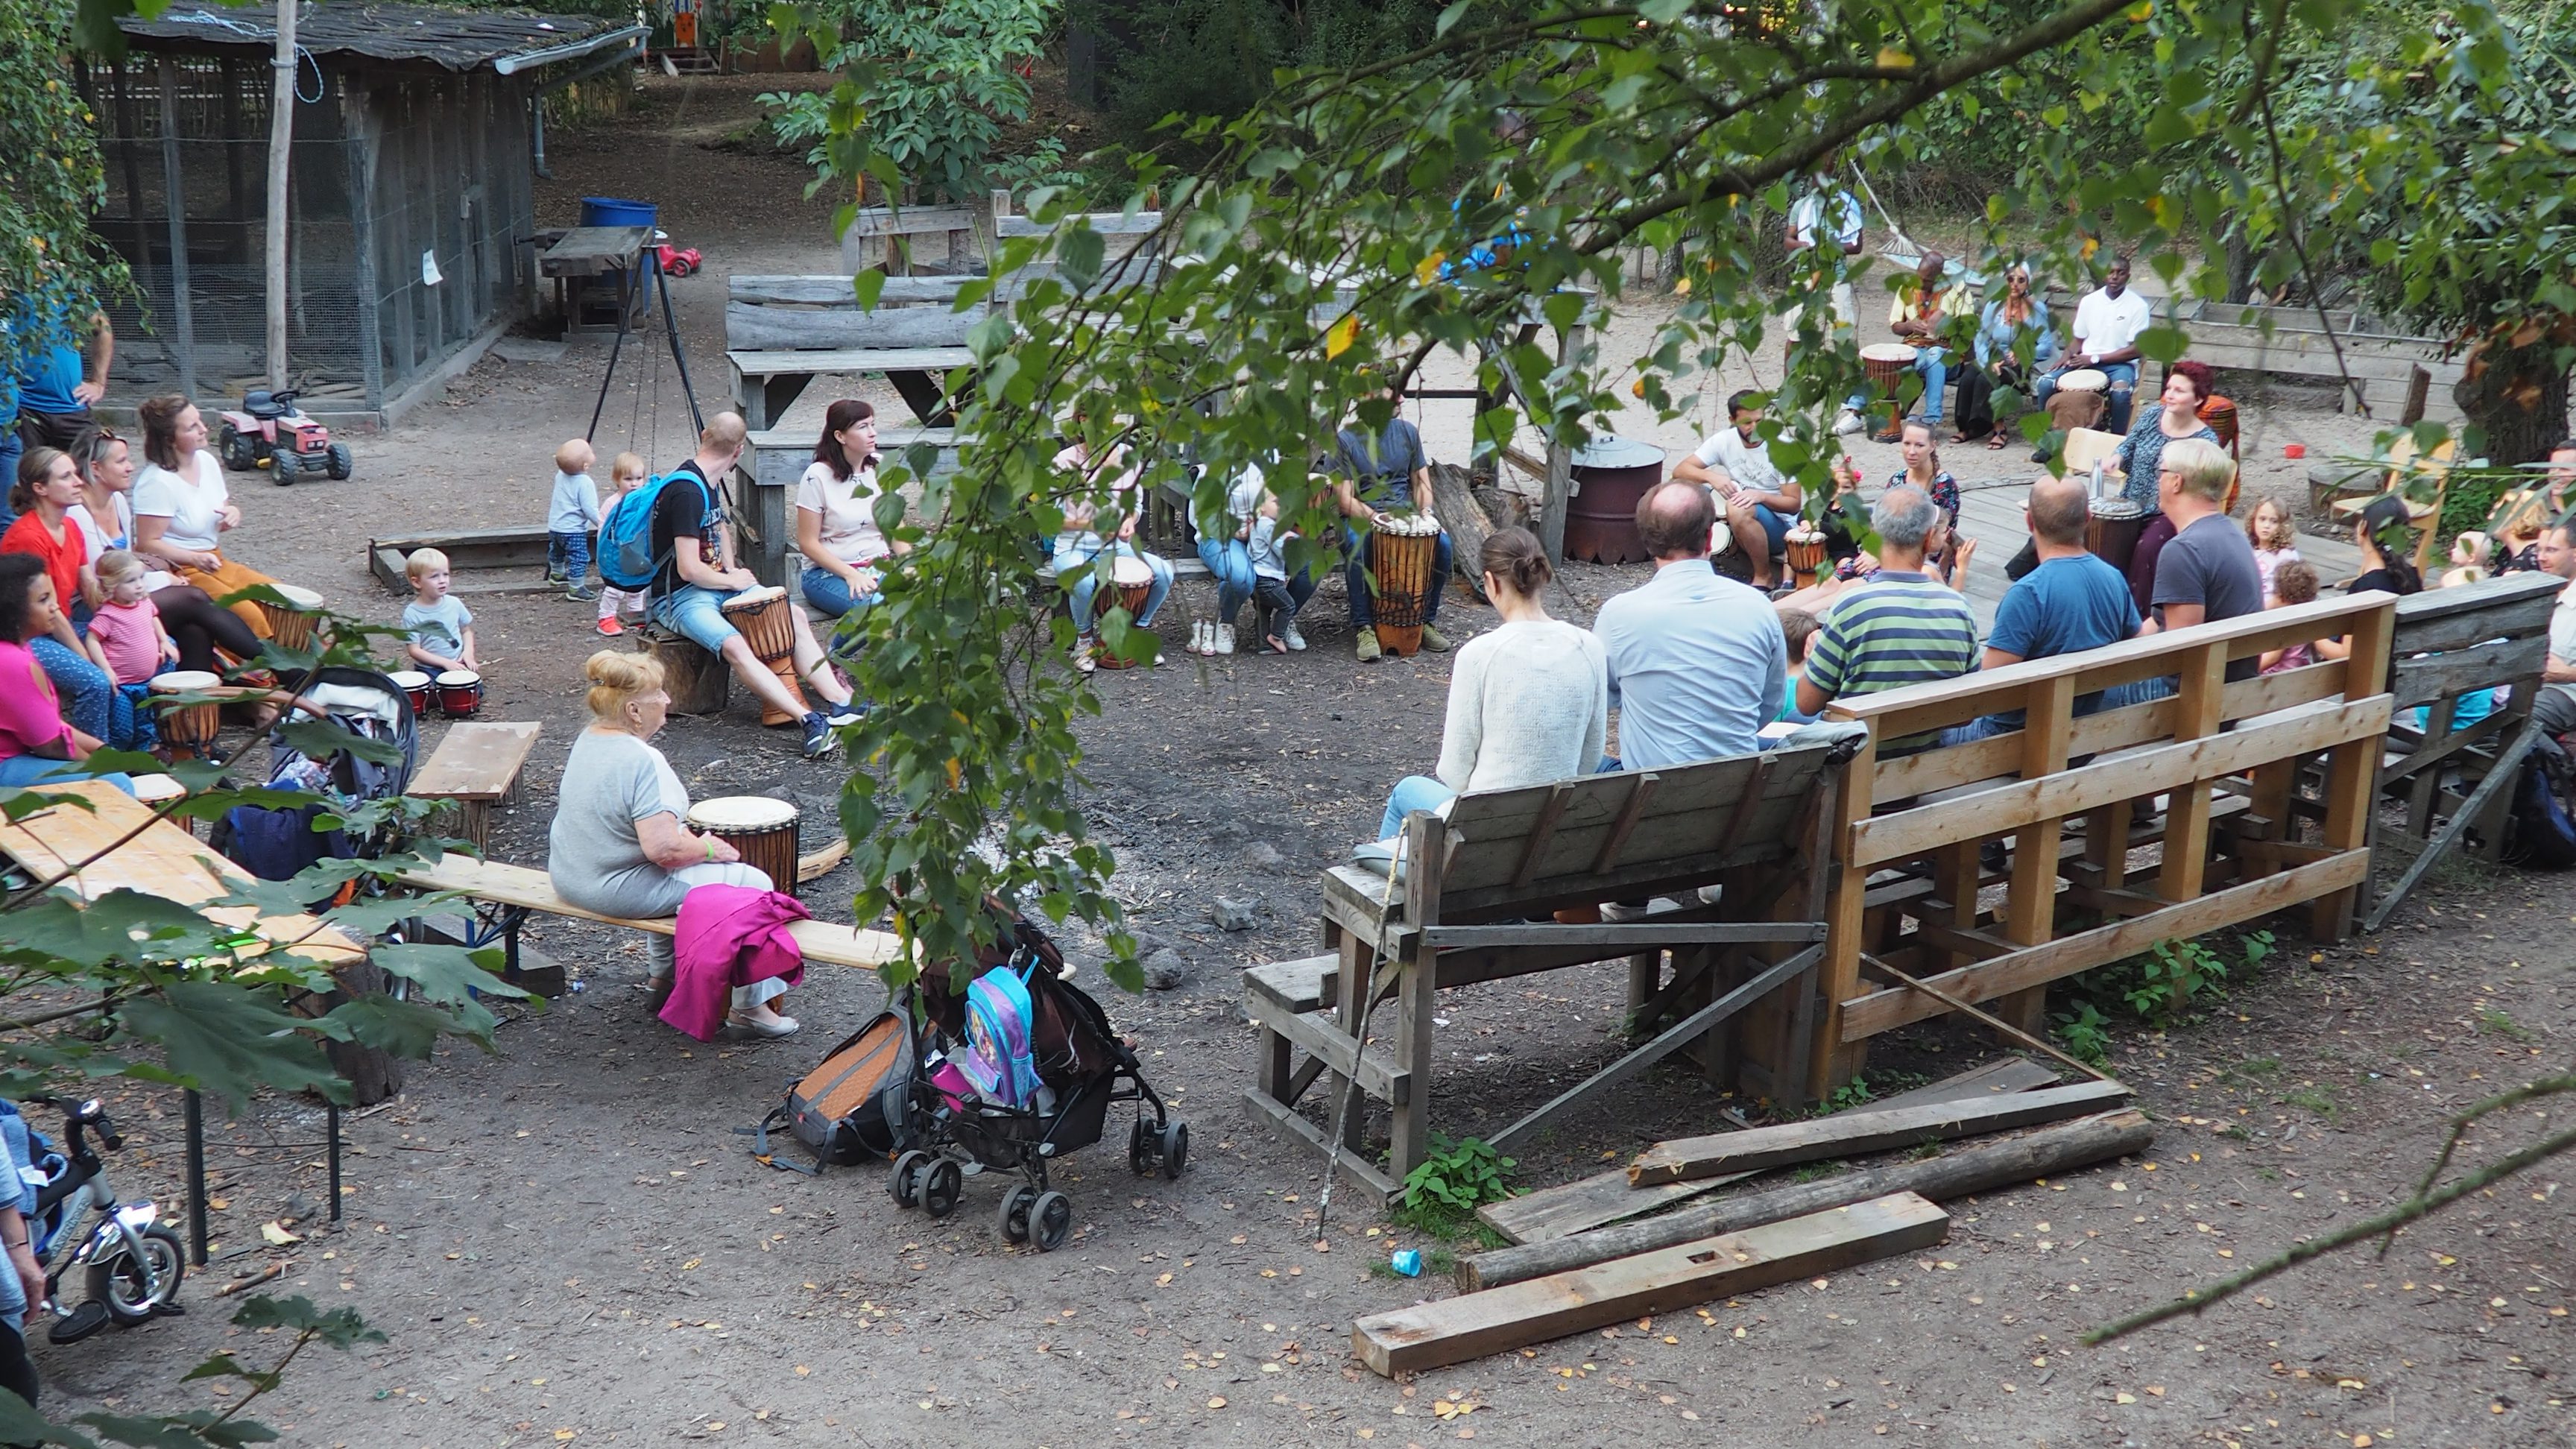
{"x":56,"y":388}
{"x":1380,"y":474}
{"x":2071,"y":602}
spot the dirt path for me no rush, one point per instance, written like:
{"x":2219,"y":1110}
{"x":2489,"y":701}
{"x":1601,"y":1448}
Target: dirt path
{"x":566,"y":1243}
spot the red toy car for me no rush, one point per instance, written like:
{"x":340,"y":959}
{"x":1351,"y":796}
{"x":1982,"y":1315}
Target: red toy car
{"x":678,"y":261}
{"x":269,"y":431}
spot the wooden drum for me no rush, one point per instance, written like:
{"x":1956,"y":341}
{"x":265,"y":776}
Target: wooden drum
{"x":767,"y":622}
{"x":763,"y":829}
{"x":291,"y":625}
{"x":1806,"y":550}
{"x":2084,"y":379}
{"x":1402,"y":549}
{"x":2220,"y":414}
{"x":460,"y":693}
{"x":189,"y":727}
{"x":1887,"y":363}
{"x":2111,"y":531}
{"x":1133,"y":579}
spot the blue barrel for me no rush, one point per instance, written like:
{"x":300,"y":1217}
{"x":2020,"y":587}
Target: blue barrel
{"x":610,"y":211}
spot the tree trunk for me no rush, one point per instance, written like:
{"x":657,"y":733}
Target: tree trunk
{"x":1454,"y":501}
{"x":2518,"y":395}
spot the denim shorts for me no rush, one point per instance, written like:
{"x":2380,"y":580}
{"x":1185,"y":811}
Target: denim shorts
{"x":697,"y":613}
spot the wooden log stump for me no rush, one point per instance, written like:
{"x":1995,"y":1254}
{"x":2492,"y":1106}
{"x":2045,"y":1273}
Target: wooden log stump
{"x":373,"y":1073}
{"x":698,"y":682}
{"x":1453,"y":501}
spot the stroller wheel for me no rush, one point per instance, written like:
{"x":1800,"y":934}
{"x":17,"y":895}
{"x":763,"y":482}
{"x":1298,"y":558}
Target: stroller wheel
{"x":1176,"y":1148}
{"x":1016,"y":1201}
{"x":899,"y":1182}
{"x":1050,"y":1221}
{"x":1143,"y":1146}
{"x":940,"y":1186}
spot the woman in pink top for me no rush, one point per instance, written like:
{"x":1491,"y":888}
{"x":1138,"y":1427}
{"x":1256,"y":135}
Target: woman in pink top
{"x":35,"y":740}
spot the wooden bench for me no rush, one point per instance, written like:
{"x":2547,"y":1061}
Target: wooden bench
{"x":471,"y":551}
{"x":2447,"y":643}
{"x":503,"y":896}
{"x":1474,"y":901}
{"x":475,"y":766}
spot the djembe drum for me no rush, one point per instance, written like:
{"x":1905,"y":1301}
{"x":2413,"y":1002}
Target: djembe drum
{"x":291,"y":625}
{"x":762,"y":829}
{"x":1133,"y":578}
{"x":767,"y":623}
{"x":1402,"y":549}
{"x":2220,"y":414}
{"x":2111,"y":530}
{"x":1806,"y":550}
{"x":189,"y":727}
{"x":1887,"y":364}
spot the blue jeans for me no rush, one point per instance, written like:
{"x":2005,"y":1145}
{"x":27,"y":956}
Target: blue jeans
{"x":1932,"y":364}
{"x":829,"y":593}
{"x":1355,"y":574}
{"x":697,"y":614}
{"x":568,"y":554}
{"x":2124,"y":383}
{"x":1413,"y":792}
{"x":28,"y":769}
{"x":1284,"y":597}
{"x":1229,"y":562}
{"x":1074,"y":563}
{"x":90,"y":700}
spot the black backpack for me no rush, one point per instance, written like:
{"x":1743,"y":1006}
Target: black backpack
{"x":854,"y":1106}
{"x":2539,"y":834}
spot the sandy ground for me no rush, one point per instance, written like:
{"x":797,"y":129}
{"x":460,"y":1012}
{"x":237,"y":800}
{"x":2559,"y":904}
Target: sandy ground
{"x":566,"y":1242}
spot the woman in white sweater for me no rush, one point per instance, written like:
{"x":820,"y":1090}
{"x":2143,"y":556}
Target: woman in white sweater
{"x":1529,"y":703}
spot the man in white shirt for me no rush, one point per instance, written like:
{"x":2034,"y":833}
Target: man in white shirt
{"x":1830,"y":214}
{"x":2107,"y":324}
{"x":2555,"y":704}
{"x":1758,"y":501}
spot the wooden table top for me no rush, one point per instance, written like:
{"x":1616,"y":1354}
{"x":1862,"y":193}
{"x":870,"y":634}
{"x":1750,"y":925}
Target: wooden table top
{"x":162,"y":860}
{"x":586,"y":251}
{"x":476,"y":761}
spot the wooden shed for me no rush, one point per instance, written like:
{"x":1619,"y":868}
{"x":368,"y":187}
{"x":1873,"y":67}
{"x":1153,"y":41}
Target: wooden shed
{"x":410,"y":193}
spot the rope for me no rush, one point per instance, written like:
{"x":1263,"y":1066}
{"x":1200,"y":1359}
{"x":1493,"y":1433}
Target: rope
{"x":303,"y":56}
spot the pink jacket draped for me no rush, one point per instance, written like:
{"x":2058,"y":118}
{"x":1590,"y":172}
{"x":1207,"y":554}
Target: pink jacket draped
{"x":729,"y":936}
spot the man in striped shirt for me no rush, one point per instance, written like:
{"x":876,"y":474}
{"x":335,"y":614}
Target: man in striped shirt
{"x":1899,"y":628}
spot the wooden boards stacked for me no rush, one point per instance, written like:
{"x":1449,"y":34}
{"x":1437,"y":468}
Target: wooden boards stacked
{"x":1850,"y":1134}
{"x":1472,"y":1325}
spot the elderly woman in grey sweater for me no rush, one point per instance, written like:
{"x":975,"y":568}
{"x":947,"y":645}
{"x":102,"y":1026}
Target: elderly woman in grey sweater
{"x":1529,"y":703}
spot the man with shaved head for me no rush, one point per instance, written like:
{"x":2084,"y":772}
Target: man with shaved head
{"x":1697,"y":661}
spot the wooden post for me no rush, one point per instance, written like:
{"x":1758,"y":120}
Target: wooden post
{"x":1417,"y":992}
{"x":182,"y":307}
{"x":1559,"y":486}
{"x":281,"y":142}
{"x":2352,"y":781}
{"x":1831,"y":1062}
{"x":128,"y":130}
{"x":2196,"y":716}
{"x":2030,"y":912}
{"x":360,"y":146}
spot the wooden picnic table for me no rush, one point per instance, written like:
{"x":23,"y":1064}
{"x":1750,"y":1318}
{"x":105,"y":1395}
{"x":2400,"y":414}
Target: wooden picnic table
{"x":476,"y":765}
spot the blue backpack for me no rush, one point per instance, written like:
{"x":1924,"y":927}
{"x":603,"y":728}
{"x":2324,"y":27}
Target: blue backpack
{"x":627,"y":558}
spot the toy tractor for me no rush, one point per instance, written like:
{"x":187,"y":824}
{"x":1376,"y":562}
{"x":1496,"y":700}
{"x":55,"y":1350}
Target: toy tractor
{"x":270,"y":431}
{"x":676,"y":261}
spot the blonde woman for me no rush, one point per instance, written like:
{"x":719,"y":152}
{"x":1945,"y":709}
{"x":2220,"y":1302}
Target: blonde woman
{"x":619,"y":845}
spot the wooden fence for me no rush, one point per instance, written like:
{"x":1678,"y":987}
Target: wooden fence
{"x":2208,"y":775}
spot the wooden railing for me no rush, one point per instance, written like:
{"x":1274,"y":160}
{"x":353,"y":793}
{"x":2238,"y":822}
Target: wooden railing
{"x":1912,"y":895}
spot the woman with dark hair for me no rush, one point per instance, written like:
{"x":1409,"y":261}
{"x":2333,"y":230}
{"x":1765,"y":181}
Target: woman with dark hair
{"x":1529,"y":702}
{"x":48,"y":488}
{"x":182,"y":507}
{"x":106,"y":514}
{"x":2141,"y":456}
{"x":836,"y":513}
{"x":35,"y":740}
{"x":2385,"y":534}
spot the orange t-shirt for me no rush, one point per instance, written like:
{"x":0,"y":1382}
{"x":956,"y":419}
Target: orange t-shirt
{"x":63,"y":557}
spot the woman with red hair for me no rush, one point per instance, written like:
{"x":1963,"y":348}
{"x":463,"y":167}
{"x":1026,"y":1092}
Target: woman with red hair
{"x":2141,"y":454}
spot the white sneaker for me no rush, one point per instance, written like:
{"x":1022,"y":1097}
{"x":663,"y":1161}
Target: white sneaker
{"x":1222,"y":637}
{"x":1290,"y":637}
{"x":1847,"y":423}
{"x":1199,"y":638}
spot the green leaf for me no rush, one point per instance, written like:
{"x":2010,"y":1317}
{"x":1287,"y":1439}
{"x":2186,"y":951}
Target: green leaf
{"x":1450,"y":15}
{"x":21,"y":1424}
{"x":408,"y":1028}
{"x":448,"y":974}
{"x":868,"y":286}
{"x":123,"y":925}
{"x":2162,"y":343}
{"x":319,"y":739}
{"x":340,"y":1328}
{"x":1079,"y":253}
{"x":228,"y":1042}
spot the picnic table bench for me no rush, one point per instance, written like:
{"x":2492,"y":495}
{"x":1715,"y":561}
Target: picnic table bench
{"x":1471,"y":900}
{"x":476,"y":765}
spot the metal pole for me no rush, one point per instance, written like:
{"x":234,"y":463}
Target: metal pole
{"x":196,"y":1177}
{"x":281,"y":142}
{"x":331,"y":1110}
{"x":671,"y":323}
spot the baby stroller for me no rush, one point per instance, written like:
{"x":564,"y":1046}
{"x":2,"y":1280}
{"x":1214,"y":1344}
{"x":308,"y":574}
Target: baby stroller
{"x":1019,"y":1070}
{"x":276,"y":844}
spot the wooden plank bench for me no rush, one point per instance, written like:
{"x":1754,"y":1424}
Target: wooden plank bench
{"x":1474,"y":903}
{"x":504,"y":896}
{"x":475,"y":766}
{"x":470,"y":551}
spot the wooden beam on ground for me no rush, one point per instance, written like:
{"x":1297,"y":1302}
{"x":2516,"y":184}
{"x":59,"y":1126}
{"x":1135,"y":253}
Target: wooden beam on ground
{"x":2061,"y":1147}
{"x":1847,"y":1133}
{"x":1607,"y":1197}
{"x":2507,"y":766}
{"x":1473,"y":1325}
{"x":817,"y":864}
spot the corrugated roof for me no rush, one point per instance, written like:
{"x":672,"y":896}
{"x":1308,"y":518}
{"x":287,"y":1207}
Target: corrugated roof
{"x":457,"y":39}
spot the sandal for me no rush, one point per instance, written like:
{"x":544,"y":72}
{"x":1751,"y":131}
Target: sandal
{"x":1995,"y":440}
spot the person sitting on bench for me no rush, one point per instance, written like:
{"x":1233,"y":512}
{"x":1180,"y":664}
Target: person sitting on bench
{"x":618,"y":846}
{"x":1758,"y":500}
{"x":698,"y":580}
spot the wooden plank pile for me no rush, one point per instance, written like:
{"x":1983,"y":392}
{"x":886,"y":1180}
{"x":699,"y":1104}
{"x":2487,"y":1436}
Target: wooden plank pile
{"x":1587,"y":1254}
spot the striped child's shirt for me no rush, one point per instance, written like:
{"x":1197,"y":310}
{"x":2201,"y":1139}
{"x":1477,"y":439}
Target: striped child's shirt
{"x":1897,"y":629}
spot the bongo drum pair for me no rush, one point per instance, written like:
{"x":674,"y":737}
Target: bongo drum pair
{"x":761,"y":828}
{"x":766,"y":621}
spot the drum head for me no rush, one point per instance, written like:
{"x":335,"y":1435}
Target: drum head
{"x":408,"y":679}
{"x":1892,"y":352}
{"x":459,"y":676}
{"x":2083,"y":379}
{"x":754,"y":598}
{"x":183,"y":681}
{"x":304,"y":600}
{"x":1124,"y":570}
{"x":742,"y":812}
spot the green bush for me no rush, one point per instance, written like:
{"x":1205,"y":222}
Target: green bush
{"x":1459,"y":1176}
